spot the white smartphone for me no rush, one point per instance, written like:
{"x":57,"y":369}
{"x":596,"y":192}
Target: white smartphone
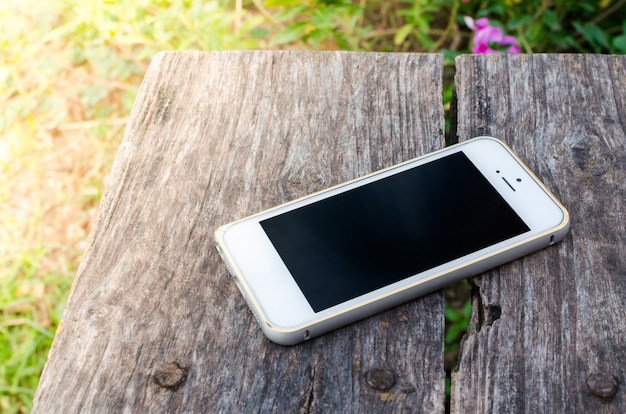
{"x":331,"y":258}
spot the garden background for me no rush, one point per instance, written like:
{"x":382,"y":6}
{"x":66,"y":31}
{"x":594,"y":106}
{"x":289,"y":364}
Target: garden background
{"x":69,"y":72}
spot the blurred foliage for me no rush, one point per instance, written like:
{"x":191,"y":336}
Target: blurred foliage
{"x":561,"y":26}
{"x":94,"y":52}
{"x":69,"y":72}
{"x":548,"y":26}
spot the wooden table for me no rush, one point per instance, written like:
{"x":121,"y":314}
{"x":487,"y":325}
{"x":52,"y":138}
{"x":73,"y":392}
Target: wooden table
{"x":154,"y":323}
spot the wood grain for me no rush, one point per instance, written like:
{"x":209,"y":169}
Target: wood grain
{"x":548,"y":330}
{"x":154,"y":323}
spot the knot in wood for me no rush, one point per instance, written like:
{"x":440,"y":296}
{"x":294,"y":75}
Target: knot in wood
{"x":170,"y":375}
{"x":589,"y":154}
{"x":602,"y":385}
{"x":381,"y":379}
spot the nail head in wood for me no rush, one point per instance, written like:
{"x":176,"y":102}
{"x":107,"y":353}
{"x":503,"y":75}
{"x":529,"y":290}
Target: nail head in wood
{"x":602,"y":385}
{"x":170,"y":375}
{"x":381,"y":379}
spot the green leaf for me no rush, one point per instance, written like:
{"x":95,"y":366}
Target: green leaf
{"x":294,"y":32}
{"x":498,"y":9}
{"x":402,"y":34}
{"x":454,"y":332}
{"x":595,"y":36}
{"x":290,"y":13}
{"x":535,"y":33}
{"x":449,"y":55}
{"x":467,"y":311}
{"x":619,"y":43}
{"x":516,"y":22}
{"x":259,"y":33}
{"x":551,"y":20}
{"x":281,"y":3}
{"x":589,"y":8}
{"x":424,"y":40}
{"x":452,"y":314}
{"x":558,"y":42}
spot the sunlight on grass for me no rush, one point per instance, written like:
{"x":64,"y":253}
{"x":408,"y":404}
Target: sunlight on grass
{"x":50,"y":183}
{"x":70,"y":72}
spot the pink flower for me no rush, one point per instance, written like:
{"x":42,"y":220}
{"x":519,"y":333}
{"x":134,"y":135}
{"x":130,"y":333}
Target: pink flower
{"x":486,"y":36}
{"x":476,"y":24}
{"x":483,"y":49}
{"x":510,"y":40}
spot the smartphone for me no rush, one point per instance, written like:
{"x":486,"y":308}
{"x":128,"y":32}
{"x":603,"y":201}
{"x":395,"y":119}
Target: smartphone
{"x":339,"y":255}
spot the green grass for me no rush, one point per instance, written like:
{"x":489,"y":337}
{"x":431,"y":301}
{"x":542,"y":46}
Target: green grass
{"x":69,"y":74}
{"x":31,"y":303}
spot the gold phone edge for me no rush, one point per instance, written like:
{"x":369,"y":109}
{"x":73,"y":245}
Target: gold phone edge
{"x":259,"y":311}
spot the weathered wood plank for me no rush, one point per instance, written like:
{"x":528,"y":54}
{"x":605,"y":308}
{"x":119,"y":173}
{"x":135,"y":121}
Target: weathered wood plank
{"x":154,"y":323}
{"x":543,"y":326}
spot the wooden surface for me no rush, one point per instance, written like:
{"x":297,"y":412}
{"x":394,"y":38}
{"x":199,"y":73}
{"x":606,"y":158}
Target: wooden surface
{"x":154,"y":323}
{"x":549,"y":331}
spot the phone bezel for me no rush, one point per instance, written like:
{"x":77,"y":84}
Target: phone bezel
{"x":279,"y":303}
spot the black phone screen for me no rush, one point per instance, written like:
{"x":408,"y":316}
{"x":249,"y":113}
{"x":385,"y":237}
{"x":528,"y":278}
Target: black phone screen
{"x":380,"y":233}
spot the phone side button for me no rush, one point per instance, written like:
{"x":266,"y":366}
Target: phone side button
{"x":241,"y":289}
{"x":230,"y":269}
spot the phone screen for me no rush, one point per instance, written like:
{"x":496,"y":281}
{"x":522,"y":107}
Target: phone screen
{"x":366,"y":238}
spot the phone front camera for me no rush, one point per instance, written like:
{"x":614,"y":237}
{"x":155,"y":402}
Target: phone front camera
{"x":519,"y":180}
